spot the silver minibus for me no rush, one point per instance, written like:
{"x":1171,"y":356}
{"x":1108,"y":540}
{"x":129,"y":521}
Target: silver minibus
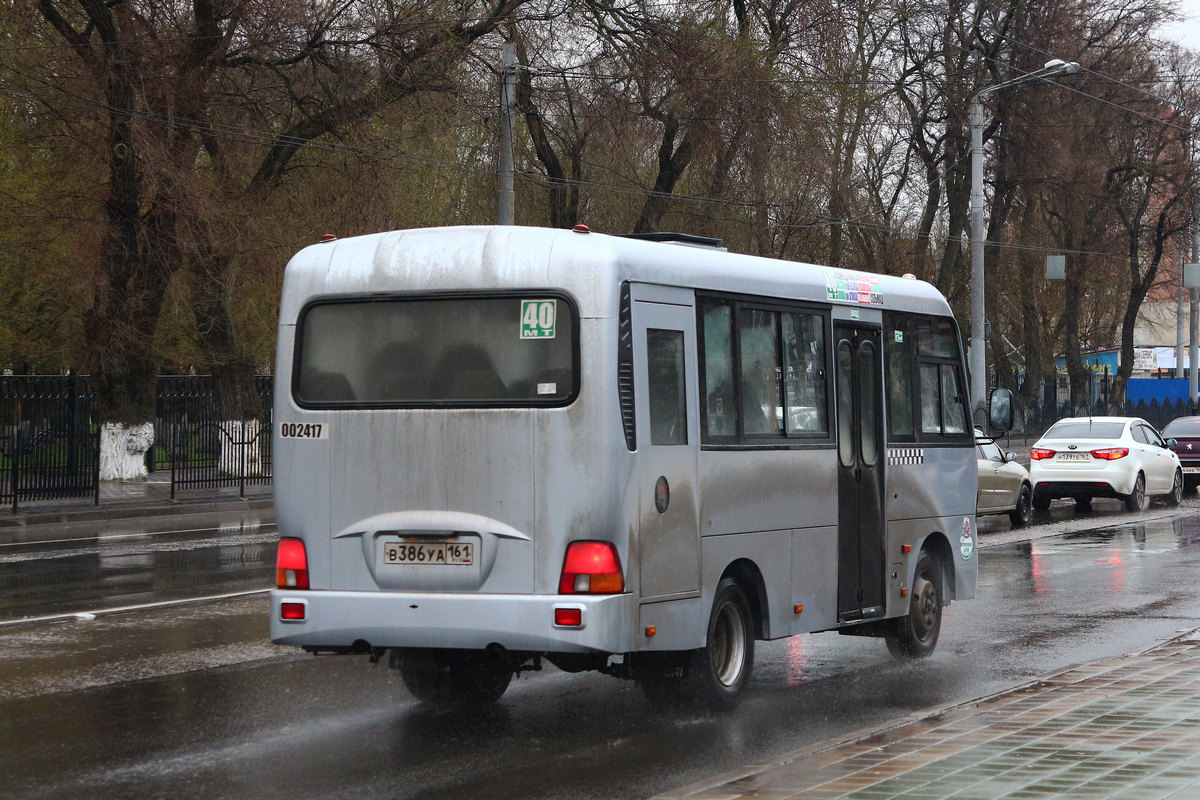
{"x":498,"y":446}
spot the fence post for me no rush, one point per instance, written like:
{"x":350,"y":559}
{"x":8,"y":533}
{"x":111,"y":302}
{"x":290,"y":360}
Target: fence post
{"x":96,"y":469}
{"x":73,"y":427}
{"x":16,"y":465}
{"x":242,"y":465}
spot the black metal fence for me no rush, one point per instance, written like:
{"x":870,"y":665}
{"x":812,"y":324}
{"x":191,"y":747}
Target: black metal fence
{"x":49,"y":443}
{"x":50,"y":438}
{"x":202,"y":450}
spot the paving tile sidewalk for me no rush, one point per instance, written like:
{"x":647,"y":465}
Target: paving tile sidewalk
{"x":1122,"y":729}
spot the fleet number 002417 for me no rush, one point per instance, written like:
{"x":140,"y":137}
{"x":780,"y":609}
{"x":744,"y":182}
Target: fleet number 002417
{"x":302,"y":430}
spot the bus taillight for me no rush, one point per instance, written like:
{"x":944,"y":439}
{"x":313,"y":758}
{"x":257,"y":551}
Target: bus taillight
{"x":591,"y":568}
{"x":291,"y":566}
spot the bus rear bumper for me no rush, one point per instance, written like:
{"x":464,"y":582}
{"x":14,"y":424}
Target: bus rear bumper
{"x":341,"y":620}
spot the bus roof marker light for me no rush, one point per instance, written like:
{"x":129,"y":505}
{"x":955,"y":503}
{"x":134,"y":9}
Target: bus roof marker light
{"x":581,"y":228}
{"x":329,"y":237}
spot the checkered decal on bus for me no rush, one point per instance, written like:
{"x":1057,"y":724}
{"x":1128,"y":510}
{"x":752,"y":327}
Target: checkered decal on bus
{"x":906,"y":455}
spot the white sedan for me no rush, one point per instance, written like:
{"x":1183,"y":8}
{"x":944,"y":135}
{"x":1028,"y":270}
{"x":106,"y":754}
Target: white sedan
{"x":1121,"y":457}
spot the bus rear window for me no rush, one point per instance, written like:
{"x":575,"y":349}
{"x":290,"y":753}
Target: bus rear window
{"x":487,"y":350}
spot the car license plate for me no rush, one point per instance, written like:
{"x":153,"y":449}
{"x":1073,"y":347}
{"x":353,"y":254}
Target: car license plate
{"x":1190,"y":470}
{"x":1073,"y":457}
{"x":455,"y":554}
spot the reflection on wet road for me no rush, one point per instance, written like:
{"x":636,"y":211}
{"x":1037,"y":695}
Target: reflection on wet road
{"x":117,"y":570}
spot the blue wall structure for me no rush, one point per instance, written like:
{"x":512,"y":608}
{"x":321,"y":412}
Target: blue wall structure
{"x":1160,"y":390}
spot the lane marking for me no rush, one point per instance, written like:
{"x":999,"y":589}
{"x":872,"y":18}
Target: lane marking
{"x":123,"y":536}
{"x":102,"y":612}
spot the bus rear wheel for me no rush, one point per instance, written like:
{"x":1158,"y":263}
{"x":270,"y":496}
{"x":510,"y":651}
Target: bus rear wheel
{"x":721,"y":669}
{"x":915,"y":635}
{"x":452,"y":677}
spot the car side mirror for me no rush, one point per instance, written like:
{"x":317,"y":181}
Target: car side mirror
{"x":1010,"y":456}
{"x":1170,"y":443}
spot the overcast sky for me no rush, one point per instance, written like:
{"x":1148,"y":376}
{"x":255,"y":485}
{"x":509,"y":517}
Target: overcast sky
{"x":1186,"y":32}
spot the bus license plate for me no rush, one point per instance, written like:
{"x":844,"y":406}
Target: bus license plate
{"x":1073,"y":457}
{"x":455,"y":554}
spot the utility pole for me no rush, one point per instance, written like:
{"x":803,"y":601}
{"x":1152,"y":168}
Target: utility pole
{"x":1195,"y":313}
{"x":504,"y":180}
{"x":977,"y":352}
{"x":1179,"y":318}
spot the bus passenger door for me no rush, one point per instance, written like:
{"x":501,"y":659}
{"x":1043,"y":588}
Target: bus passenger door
{"x":860,"y":473}
{"x":667,"y":437}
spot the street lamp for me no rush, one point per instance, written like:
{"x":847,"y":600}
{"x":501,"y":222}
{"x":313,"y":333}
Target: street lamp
{"x":977,"y":354}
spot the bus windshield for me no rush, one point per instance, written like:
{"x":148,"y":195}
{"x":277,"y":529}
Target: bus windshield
{"x":490,"y":350}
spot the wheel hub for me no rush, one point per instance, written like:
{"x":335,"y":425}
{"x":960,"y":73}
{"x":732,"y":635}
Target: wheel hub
{"x":728,"y":646}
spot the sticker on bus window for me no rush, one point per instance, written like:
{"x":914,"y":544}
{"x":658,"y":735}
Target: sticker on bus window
{"x":899,"y":336}
{"x":538,"y":318}
{"x":547,"y":388}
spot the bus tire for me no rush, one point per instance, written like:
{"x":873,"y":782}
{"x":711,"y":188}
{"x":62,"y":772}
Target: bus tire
{"x":721,"y":669}
{"x":915,"y":635}
{"x":448,"y":678}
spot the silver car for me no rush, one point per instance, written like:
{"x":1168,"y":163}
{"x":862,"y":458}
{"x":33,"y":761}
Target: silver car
{"x":1004,"y":485}
{"x":1121,"y":457}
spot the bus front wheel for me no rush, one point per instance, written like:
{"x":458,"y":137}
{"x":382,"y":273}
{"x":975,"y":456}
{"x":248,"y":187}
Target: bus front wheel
{"x":721,"y":669}
{"x":915,"y":635}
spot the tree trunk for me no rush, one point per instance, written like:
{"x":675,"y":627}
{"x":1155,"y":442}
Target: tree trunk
{"x":672,"y":162}
{"x":123,"y":450}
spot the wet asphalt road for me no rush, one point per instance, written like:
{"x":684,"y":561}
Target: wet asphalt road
{"x":193,"y":701}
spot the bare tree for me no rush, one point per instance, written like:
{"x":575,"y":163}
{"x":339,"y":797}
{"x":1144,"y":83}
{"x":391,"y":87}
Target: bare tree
{"x":185,"y":91}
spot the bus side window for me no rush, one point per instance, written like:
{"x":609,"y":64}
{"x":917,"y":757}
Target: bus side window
{"x":720,"y":412}
{"x":762,"y":411}
{"x":668,"y":400}
{"x":943,"y":410}
{"x":953,"y":417}
{"x":931,"y":400}
{"x":804,"y":364}
{"x":898,"y":347}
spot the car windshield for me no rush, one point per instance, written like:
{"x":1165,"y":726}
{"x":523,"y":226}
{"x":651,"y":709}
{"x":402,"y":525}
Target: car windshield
{"x":1184,"y":426}
{"x":1085,"y":429}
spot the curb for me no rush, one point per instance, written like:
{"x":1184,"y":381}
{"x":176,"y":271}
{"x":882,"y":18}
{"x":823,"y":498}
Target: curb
{"x":81,"y":522}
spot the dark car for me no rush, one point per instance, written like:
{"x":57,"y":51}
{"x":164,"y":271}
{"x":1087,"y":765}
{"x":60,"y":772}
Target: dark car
{"x":1186,"y":433}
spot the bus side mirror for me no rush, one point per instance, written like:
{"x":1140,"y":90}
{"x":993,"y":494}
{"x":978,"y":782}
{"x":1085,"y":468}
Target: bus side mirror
{"x":1000,"y":411}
